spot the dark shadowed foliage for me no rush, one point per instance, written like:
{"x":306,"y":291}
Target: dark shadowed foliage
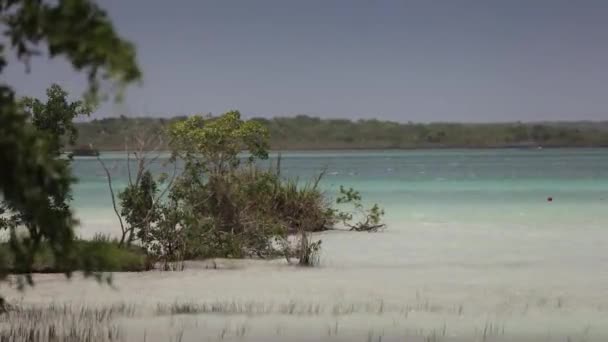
{"x":33,"y":181}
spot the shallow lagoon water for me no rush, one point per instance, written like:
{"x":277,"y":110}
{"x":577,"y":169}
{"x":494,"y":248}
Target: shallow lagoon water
{"x":474,"y":251}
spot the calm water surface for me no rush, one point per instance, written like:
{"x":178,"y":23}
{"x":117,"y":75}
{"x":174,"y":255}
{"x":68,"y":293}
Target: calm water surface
{"x":474,"y":252}
{"x":489,"y":189}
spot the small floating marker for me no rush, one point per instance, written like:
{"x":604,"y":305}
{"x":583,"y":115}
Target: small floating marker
{"x":549,"y":199}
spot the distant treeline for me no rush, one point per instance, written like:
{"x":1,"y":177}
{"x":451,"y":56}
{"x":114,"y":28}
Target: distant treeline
{"x":305,"y":132}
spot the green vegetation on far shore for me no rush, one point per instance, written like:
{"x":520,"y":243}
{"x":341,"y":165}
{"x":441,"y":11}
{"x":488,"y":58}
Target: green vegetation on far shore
{"x":304,"y":132}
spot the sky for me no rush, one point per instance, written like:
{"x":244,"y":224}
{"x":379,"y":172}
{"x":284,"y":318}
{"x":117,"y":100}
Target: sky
{"x":425,"y":60}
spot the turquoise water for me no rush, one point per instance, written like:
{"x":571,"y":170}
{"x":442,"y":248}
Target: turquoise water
{"x":471,"y":241}
{"x":489,"y":188}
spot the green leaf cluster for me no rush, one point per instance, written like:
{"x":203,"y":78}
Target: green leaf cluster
{"x":214,"y":143}
{"x":369,"y":219}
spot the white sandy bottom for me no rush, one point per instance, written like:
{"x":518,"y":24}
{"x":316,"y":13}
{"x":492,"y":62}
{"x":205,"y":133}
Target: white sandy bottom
{"x":270,"y":301}
{"x":415,"y":283}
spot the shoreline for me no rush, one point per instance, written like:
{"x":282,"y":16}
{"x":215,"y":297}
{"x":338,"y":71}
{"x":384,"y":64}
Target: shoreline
{"x":376,"y":149}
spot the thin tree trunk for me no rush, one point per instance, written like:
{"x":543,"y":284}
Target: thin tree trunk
{"x":122,"y":226}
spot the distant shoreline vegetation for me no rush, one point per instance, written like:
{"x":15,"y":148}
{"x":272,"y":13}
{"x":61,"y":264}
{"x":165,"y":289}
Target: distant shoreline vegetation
{"x":85,"y":151}
{"x":312,"y":133}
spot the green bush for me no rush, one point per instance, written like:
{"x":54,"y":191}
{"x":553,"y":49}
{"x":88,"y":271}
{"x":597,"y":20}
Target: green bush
{"x":107,"y":256}
{"x":219,"y":207}
{"x":97,"y":255}
{"x":242,"y":213}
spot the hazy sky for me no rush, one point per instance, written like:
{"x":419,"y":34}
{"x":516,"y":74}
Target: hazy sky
{"x":450,"y":60}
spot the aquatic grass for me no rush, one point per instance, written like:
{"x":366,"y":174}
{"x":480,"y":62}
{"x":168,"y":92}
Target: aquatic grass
{"x":55,"y":323}
{"x":34,"y":332}
{"x":69,"y":311}
{"x":70,"y":322}
{"x":294,"y":308}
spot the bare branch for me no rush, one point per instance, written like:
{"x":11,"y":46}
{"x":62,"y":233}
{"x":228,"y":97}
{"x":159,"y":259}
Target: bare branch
{"x":128,"y":161}
{"x":318,"y":179}
{"x":109,"y":177}
{"x":169,"y":185}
